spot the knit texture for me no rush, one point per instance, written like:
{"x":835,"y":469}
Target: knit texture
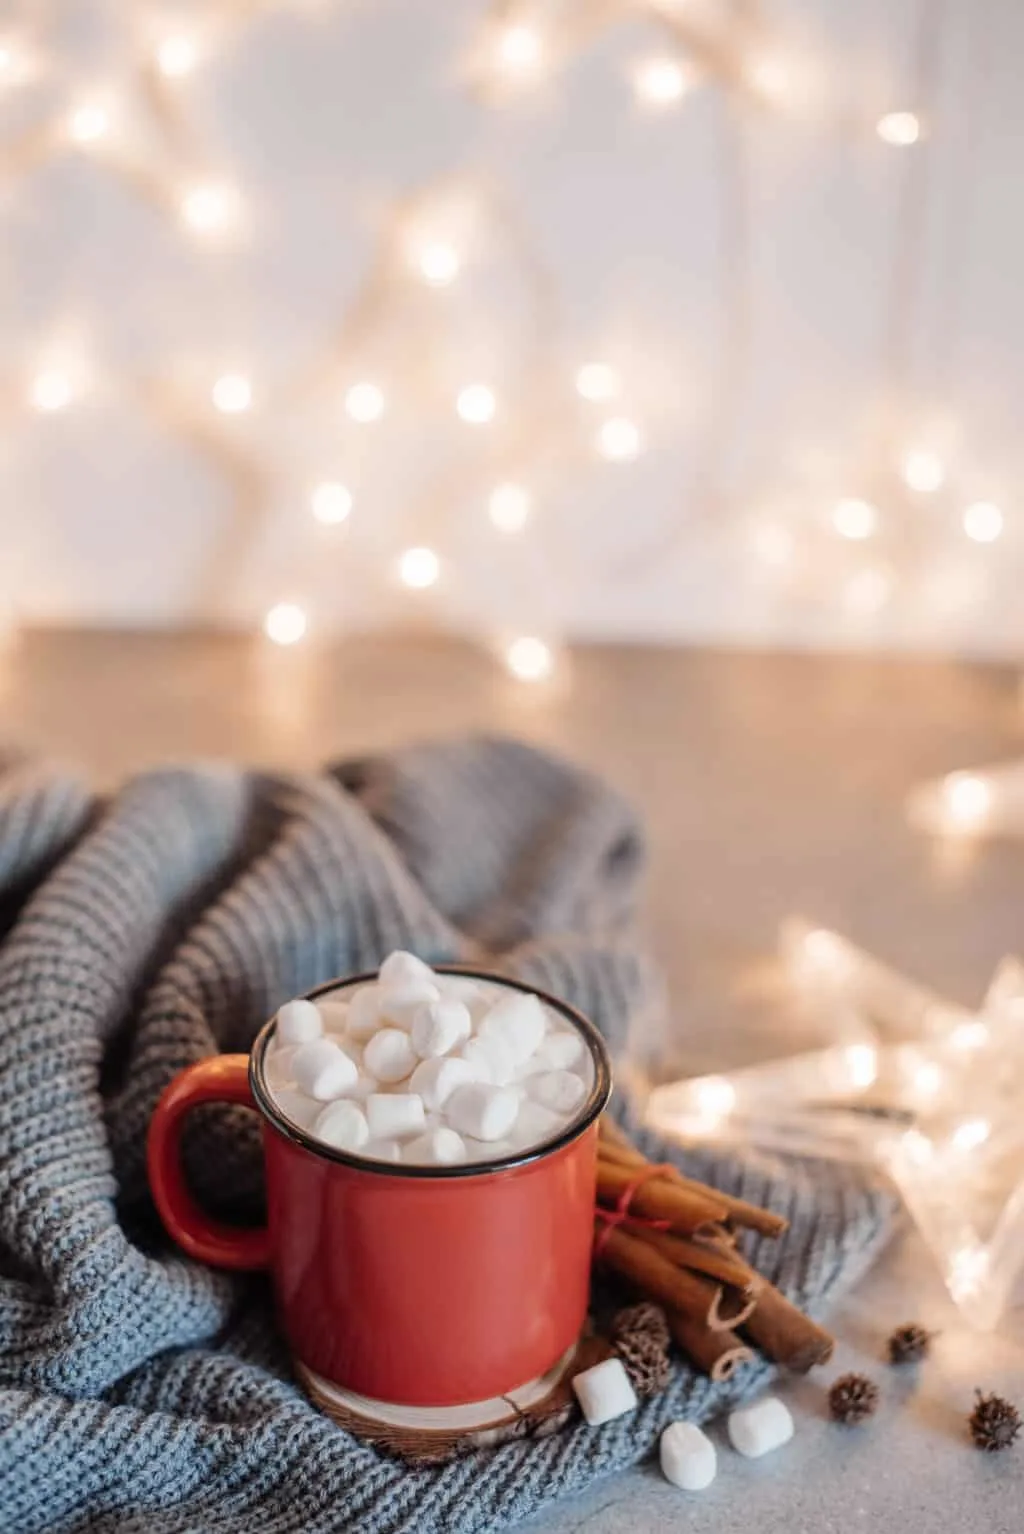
{"x":142,"y":1391}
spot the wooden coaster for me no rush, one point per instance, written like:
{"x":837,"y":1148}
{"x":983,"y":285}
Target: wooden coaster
{"x":429,"y":1434}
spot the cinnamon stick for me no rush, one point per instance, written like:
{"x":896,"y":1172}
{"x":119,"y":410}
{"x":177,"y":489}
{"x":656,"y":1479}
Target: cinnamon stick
{"x":656,"y":1276}
{"x":787,"y":1336}
{"x":730,"y":1308}
{"x":705,"y":1257}
{"x":659,"y":1198}
{"x":716,"y":1353}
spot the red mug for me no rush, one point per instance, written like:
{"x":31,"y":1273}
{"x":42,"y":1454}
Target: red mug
{"x":414,"y":1286}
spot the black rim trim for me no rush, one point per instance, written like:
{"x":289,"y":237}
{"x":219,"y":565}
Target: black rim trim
{"x":595,"y":1104}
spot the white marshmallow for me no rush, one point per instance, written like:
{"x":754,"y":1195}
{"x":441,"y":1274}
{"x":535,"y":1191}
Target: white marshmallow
{"x":604,"y":1392}
{"x":278,"y":1065}
{"x":517,"y":1022}
{"x":437,"y":1026}
{"x":535,"y":1124}
{"x":483,"y":1111}
{"x":297,"y":1106}
{"x":391,"y":1114}
{"x":401,"y":969}
{"x":559,"y":1051}
{"x":343,"y":1125}
{"x":491,"y":1059}
{"x":760,"y":1427}
{"x":324,"y":1070}
{"x":298,"y":1022}
{"x":389,"y":1055}
{"x":560,"y":1091}
{"x":438,"y":1147}
{"x":687,"y":1456}
{"x":334,"y":1015}
{"x":399,"y":1007}
{"x":383,"y":1150}
{"x":435,"y":1080}
{"x":364,"y":1013}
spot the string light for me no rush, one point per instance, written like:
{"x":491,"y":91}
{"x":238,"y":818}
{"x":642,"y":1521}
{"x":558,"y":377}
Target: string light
{"x":715,"y":1097}
{"x":597,"y":381}
{"x":927,"y":1079}
{"x":983,"y":522}
{"x":88,"y":123}
{"x":232,"y":393}
{"x":619,"y":440}
{"x":177,"y":56}
{"x":331,"y":502}
{"x":861,"y":1061}
{"x":438,"y":264}
{"x":509,"y":507}
{"x":520,"y":49}
{"x":476,"y":404}
{"x":970,"y":1134}
{"x":923,"y":471}
{"x":854,"y":518}
{"x":364,"y":402}
{"x":899,"y":128}
{"x":529,"y":659}
{"x":209,"y":207}
{"x":967,"y":801}
{"x":50,"y":391}
{"x":419,"y":568}
{"x":285,"y":623}
{"x":660,"y":82}
{"x":15,"y":65}
{"x":970,"y":1035}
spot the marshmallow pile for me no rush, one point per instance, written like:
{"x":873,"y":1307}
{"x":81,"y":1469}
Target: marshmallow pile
{"x":427,"y":1069}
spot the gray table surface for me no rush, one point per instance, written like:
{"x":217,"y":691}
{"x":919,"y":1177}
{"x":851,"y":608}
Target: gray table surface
{"x":770,"y":785}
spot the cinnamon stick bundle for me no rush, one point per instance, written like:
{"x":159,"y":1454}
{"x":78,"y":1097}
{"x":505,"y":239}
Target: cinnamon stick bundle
{"x":659,"y":1198}
{"x":718,"y":1354}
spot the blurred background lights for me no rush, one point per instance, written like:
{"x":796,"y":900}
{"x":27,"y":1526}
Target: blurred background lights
{"x":659,"y":82}
{"x":983,"y":522}
{"x":899,"y":128}
{"x":232,"y":393}
{"x":438,"y":263}
{"x":331,"y":502}
{"x":364,"y":402}
{"x":177,"y":55}
{"x":853,"y":518}
{"x":51,"y":390}
{"x":923,"y":471}
{"x":970,"y":1134}
{"x":285,"y":623}
{"x":529,"y":659}
{"x":967,"y":800}
{"x":597,"y":381}
{"x":509,"y":507}
{"x":419,"y":568}
{"x":208,"y":207}
{"x":88,"y":123}
{"x":619,"y":440}
{"x":476,"y":404}
{"x":520,"y":48}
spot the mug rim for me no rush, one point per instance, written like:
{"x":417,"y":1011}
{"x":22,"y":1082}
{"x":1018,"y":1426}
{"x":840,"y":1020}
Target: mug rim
{"x":595,"y":1104}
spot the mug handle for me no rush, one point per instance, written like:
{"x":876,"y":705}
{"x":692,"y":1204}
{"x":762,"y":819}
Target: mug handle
{"x":221,"y":1079}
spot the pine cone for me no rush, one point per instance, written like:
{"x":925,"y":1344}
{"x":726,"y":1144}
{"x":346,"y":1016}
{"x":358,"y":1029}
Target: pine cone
{"x":994,"y":1423}
{"x":640,"y":1336}
{"x":852,"y":1398}
{"x":909,"y":1343}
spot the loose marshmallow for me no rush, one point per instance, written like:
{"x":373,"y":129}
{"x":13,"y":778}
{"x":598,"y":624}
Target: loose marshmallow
{"x":604,"y":1392}
{"x":491,"y":1059}
{"x":483,"y":1111}
{"x":298,"y":1022}
{"x":401,"y":969}
{"x":561,"y":1091}
{"x":517,"y":1022}
{"x":334,"y":1016}
{"x":392,"y":1114}
{"x":343,"y":1125}
{"x":687,"y":1456}
{"x":364,"y":1013}
{"x":438,"y":1147}
{"x":437,"y":1026}
{"x":436,"y":1080}
{"x":323,"y":1069}
{"x":760,"y":1427}
{"x":389,"y":1055}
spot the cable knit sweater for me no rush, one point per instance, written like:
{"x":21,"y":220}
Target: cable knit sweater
{"x":142,"y":1391}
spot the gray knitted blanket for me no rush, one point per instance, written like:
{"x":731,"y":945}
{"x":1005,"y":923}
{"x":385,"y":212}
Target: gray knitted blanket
{"x":141,"y":1391}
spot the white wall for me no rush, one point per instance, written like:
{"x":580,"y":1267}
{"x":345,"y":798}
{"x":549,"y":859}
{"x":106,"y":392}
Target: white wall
{"x":789,"y":300}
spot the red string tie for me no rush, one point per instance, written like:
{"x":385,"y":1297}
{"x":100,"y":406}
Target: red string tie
{"x":612,"y":1219}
